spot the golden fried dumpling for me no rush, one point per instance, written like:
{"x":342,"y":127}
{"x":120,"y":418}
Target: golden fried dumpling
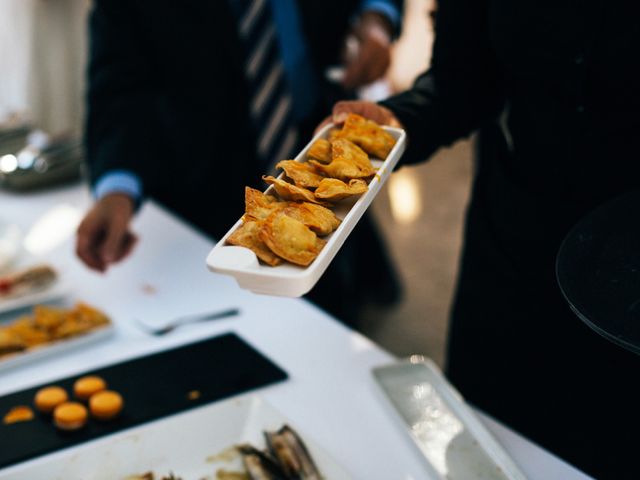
{"x":303,"y":174}
{"x":367,"y":134}
{"x":10,"y":342}
{"x":332,"y":189}
{"x":349,"y":161}
{"x":259,"y":206}
{"x":247,"y":235}
{"x":320,"y":150}
{"x":318,"y":218}
{"x":289,"y":191}
{"x":290,"y":239}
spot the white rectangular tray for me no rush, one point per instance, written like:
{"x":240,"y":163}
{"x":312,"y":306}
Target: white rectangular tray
{"x":454,"y":443}
{"x":55,"y":348}
{"x":290,"y":280}
{"x":186,"y":444}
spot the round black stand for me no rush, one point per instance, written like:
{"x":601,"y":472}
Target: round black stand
{"x":598,"y":270}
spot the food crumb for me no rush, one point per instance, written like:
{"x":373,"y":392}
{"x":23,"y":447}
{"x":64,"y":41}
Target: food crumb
{"x":21,"y":413}
{"x":227,"y":475}
{"x":149,"y":289}
{"x":194,"y":395}
{"x":227,"y":455}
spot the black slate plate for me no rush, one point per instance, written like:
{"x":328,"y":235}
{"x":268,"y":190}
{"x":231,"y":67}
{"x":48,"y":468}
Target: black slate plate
{"x":153,"y":386}
{"x":598,"y":270}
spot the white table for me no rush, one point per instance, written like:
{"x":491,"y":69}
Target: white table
{"x":330,"y":394}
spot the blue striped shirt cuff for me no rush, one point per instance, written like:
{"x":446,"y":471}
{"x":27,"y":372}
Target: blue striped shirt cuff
{"x":383,"y":7}
{"x":119,"y":181}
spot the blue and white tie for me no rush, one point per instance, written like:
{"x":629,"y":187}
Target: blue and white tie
{"x":270,"y":102}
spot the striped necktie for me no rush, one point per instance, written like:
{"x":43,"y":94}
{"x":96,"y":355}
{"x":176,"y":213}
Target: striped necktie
{"x":270,"y":101}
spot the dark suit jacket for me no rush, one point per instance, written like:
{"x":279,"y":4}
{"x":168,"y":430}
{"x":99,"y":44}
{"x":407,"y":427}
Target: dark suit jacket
{"x":553,"y":88}
{"x":167,"y":99}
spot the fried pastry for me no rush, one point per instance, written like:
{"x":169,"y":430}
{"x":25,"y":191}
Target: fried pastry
{"x":289,"y":191}
{"x":349,"y":161}
{"x":333,"y":190}
{"x":319,"y":219}
{"x":303,"y":174}
{"x":290,"y":239}
{"x":320,"y":150}
{"x":367,"y":134}
{"x":259,"y":206}
{"x":247,"y":236}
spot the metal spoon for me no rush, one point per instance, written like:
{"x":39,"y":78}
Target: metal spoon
{"x":200,"y":317}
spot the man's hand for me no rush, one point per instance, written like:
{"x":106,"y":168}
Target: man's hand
{"x":373,"y":56}
{"x":104,"y":237}
{"x":370,"y":110}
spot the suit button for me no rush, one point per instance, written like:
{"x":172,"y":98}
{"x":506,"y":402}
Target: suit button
{"x":580,"y":109}
{"x":579,"y":59}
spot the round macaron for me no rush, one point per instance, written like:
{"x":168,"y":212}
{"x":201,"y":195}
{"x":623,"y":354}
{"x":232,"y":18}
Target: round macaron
{"x":84,"y":387}
{"x":70,"y":416}
{"x":48,"y":398}
{"x":106,"y":405}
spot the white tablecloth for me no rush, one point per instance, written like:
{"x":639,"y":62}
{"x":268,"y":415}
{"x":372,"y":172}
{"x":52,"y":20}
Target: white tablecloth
{"x":330,"y":394}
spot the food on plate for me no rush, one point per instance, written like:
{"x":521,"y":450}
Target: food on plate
{"x":290,"y":239}
{"x":70,"y":416}
{"x":48,"y":398}
{"x":291,"y":453}
{"x":26,"y":281}
{"x":286,"y":457}
{"x":260,"y":465}
{"x":320,"y":150}
{"x":85,"y":387}
{"x":348,"y":161}
{"x":259,"y":206}
{"x":247,"y":235}
{"x":303,"y":174}
{"x":48,"y":324}
{"x":151,"y":476}
{"x":106,"y":405}
{"x":337,"y":167}
{"x":367,"y":134}
{"x":318,"y":218}
{"x":21,"y":413}
{"x":289,"y":191}
{"x":333,"y":190}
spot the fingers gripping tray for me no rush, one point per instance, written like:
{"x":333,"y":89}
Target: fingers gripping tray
{"x":287,"y":279}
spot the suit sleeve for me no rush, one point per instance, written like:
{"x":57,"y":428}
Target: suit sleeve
{"x":461,"y":91}
{"x":121,"y":125}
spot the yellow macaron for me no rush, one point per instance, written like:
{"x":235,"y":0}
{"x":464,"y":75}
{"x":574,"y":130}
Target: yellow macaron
{"x":85,"y":387}
{"x":70,"y":416}
{"x":48,"y":398}
{"x":106,"y":405}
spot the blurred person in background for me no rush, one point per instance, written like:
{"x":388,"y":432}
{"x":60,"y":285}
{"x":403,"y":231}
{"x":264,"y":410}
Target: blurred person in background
{"x":553,"y":93}
{"x":190,"y":101}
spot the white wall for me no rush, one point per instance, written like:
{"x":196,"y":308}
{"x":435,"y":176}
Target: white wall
{"x":42,"y":61}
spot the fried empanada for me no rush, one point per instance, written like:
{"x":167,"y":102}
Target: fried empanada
{"x":289,"y":191}
{"x":367,"y":134}
{"x":303,"y":174}
{"x":259,"y":206}
{"x":332,"y":189}
{"x":290,"y":239}
{"x":247,"y":235}
{"x":319,"y":219}
{"x":320,"y":150}
{"x":348,"y":161}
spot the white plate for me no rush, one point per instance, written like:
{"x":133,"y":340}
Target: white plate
{"x":55,"y":291}
{"x":180,"y":444}
{"x":454,"y":443}
{"x":290,"y":280}
{"x":55,"y":348}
